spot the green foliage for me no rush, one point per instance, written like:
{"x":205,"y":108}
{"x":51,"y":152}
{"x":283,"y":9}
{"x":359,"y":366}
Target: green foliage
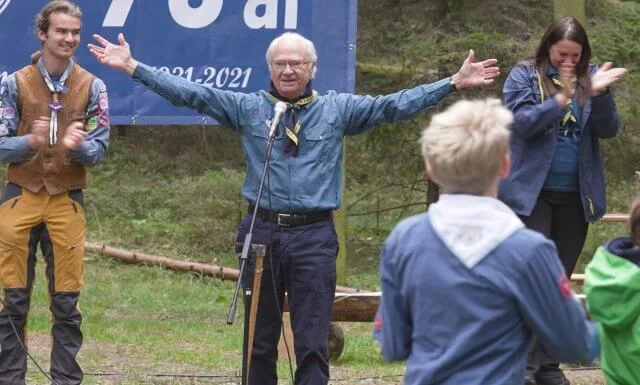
{"x":614,"y":33}
{"x":170,"y":205}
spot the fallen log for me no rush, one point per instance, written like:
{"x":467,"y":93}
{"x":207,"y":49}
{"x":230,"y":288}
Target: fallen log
{"x":133,"y":257}
{"x":210,"y":270}
{"x":616,"y":217}
{"x":577,"y":277}
{"x":355,"y":307}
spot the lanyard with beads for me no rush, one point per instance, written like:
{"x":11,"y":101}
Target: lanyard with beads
{"x":55,"y":105}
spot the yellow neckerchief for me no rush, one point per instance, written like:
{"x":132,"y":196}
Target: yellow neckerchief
{"x":292,"y":125}
{"x":568,"y":116}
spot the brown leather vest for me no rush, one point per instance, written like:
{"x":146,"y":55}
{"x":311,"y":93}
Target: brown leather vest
{"x":51,"y":166}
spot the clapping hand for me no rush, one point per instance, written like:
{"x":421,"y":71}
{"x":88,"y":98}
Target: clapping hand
{"x":39,"y":133}
{"x":606,"y":76}
{"x":74,"y":136}
{"x":565,"y":92}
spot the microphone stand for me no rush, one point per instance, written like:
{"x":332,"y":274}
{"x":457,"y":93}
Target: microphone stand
{"x":259,"y":251}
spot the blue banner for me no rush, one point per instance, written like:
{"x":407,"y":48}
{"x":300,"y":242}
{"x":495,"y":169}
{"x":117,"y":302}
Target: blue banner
{"x":221,"y":43}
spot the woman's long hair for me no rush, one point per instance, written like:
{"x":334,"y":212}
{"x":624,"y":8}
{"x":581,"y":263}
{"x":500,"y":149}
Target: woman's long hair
{"x":566,"y":28}
{"x":43,"y":19}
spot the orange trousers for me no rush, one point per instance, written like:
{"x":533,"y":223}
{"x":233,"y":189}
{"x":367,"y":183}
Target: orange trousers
{"x":58,"y":224}
{"x":65,"y":221}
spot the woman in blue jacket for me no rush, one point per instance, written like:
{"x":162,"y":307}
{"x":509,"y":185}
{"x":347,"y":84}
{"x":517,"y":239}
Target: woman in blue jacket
{"x":562,"y":107}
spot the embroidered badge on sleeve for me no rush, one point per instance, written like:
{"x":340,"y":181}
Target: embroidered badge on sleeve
{"x":104,"y":101}
{"x":565,"y":287}
{"x":9,"y":113}
{"x":377,"y":323}
{"x":92,"y":123}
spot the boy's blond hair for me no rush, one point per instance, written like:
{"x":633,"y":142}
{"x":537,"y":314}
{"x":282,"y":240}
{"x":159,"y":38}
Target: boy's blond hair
{"x":463,"y":146}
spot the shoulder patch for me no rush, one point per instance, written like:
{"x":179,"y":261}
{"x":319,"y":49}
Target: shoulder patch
{"x":564,"y":285}
{"x":104,"y":101}
{"x":104,"y":120}
{"x":377,"y":323}
{"x":9,"y":113}
{"x":92,"y":123}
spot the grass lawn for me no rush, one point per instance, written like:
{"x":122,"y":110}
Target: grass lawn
{"x":146,"y":325}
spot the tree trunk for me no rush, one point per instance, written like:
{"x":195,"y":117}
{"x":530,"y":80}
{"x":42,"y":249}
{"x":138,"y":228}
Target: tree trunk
{"x":575,"y":8}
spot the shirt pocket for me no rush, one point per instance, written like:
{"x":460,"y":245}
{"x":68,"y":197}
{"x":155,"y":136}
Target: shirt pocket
{"x":321,"y":139}
{"x":259,"y":129}
{"x":320,"y":154}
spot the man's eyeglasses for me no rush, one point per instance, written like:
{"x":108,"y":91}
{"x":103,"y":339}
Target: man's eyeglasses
{"x":294,"y":65}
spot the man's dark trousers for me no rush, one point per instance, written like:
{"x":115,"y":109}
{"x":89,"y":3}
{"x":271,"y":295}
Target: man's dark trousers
{"x":302,"y":259}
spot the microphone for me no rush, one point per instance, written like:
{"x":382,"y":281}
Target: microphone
{"x":278,"y":110}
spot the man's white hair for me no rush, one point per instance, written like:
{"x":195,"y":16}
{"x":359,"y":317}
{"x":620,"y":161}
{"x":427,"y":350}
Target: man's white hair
{"x":463,"y":146}
{"x":310,"y":54}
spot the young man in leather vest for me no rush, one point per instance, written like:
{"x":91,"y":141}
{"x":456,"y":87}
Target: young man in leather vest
{"x":54,"y":122}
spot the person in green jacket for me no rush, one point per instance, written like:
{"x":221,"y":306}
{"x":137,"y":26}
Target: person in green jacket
{"x":612,"y":286}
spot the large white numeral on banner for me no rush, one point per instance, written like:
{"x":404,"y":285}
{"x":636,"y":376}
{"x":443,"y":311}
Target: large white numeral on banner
{"x":291,"y":15}
{"x":117,"y":13}
{"x":269,"y":19}
{"x":257,"y":13}
{"x":4,"y":4}
{"x":198,"y":17}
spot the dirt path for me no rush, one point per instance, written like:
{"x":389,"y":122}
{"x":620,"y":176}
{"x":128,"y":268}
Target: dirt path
{"x":576,"y":376}
{"x":585,"y":376}
{"x":106,"y":358}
